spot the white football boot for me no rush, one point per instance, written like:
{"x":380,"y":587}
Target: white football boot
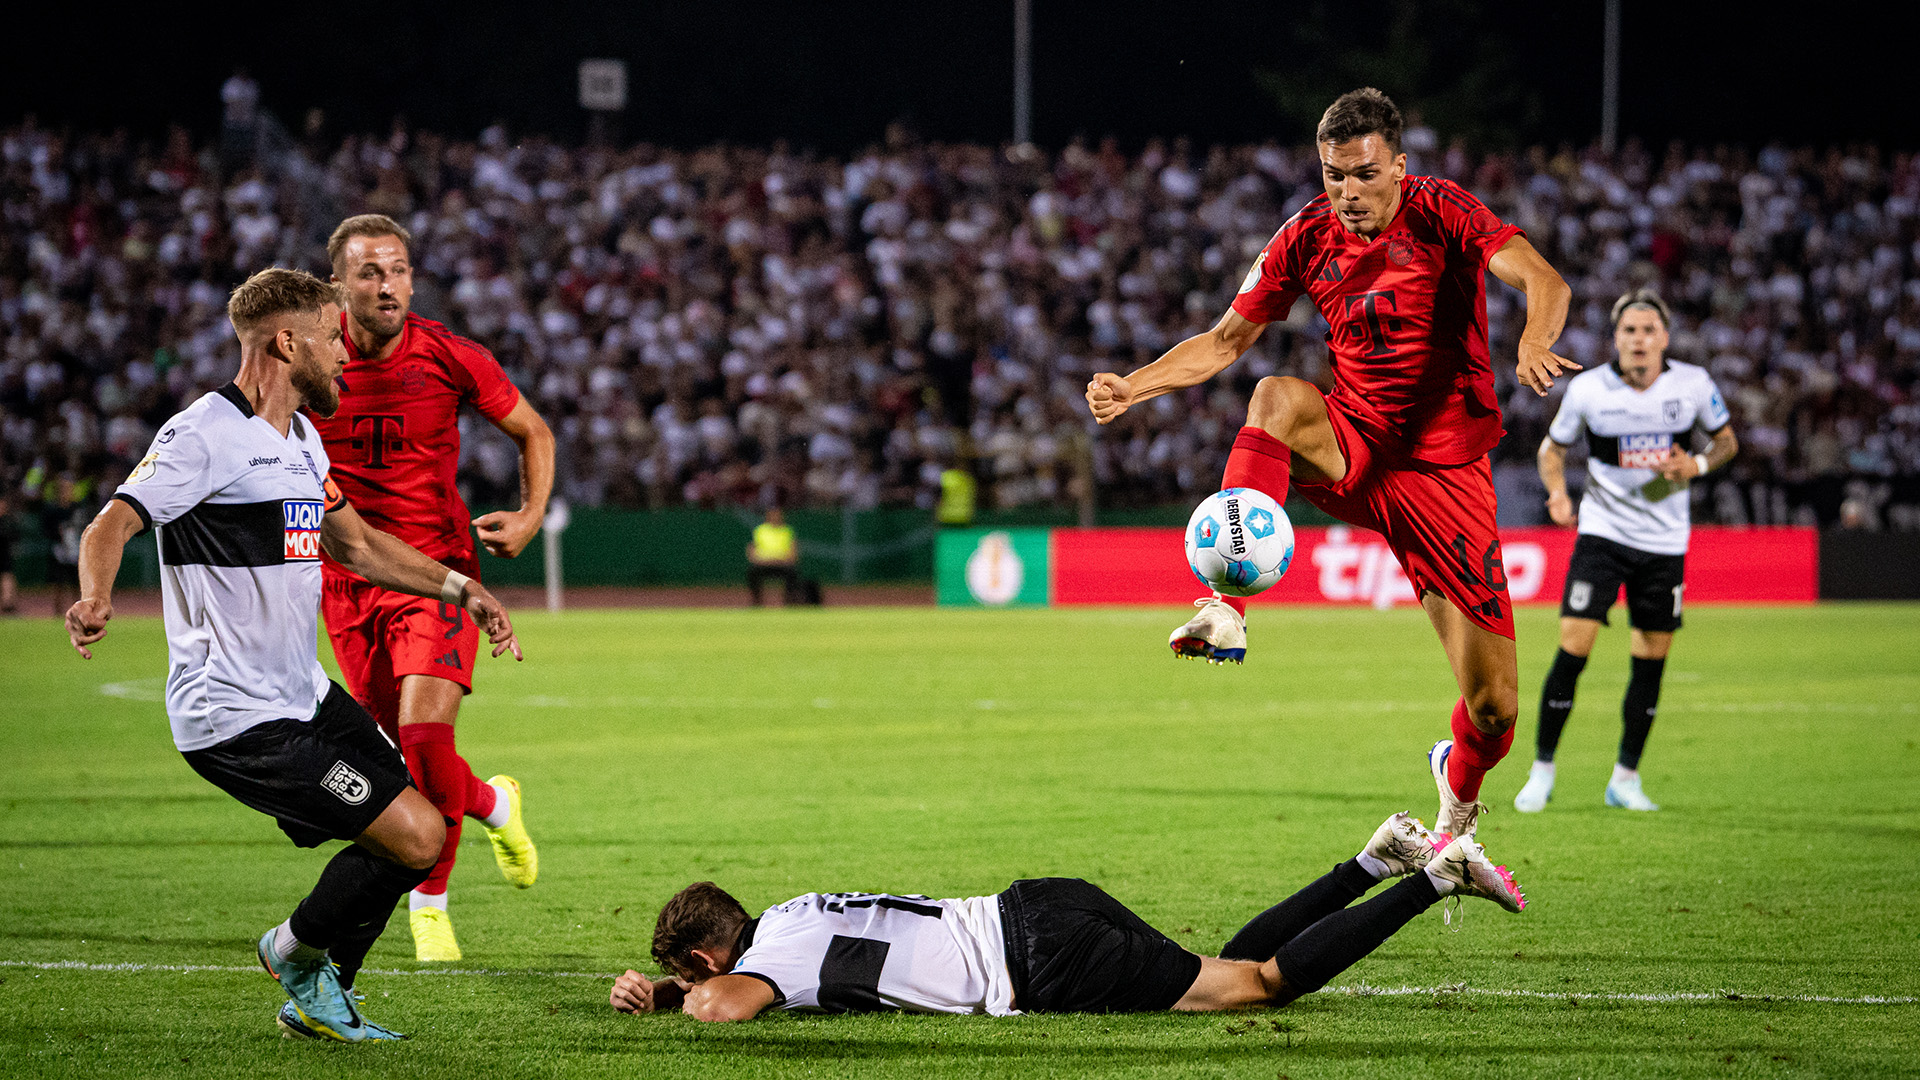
{"x":1539,"y":790}
{"x":1402,"y":843}
{"x":1216,"y":633}
{"x":1457,"y":818}
{"x":1624,"y":792}
{"x":1464,"y":864}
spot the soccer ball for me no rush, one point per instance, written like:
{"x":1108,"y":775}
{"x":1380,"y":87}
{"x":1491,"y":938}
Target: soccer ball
{"x":1239,"y":542}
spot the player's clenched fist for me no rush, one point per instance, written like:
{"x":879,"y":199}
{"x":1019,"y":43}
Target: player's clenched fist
{"x":1108,"y":395}
{"x":635,"y":993}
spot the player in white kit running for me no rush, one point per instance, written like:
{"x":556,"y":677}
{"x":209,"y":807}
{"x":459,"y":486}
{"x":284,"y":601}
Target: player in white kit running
{"x":1638,"y":416}
{"x":236,"y":489}
{"x":1043,"y":945}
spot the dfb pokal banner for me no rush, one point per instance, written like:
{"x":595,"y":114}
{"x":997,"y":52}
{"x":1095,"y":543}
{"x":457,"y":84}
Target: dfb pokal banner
{"x":1342,"y":565}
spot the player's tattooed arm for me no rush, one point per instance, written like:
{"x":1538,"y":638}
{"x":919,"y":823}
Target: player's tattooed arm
{"x":635,"y":993}
{"x":1681,"y":466}
{"x":391,"y":563}
{"x":506,"y":533}
{"x":1519,"y":265}
{"x":100,"y":550}
{"x":1189,"y":363}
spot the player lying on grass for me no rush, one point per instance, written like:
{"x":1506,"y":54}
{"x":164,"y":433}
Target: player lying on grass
{"x":236,"y":490}
{"x":1044,"y":945}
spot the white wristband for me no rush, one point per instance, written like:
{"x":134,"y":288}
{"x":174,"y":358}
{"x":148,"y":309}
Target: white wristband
{"x":1700,"y":462}
{"x":452,"y":588}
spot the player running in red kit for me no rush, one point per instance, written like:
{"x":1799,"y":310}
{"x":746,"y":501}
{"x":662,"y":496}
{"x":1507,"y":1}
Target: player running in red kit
{"x":395,"y":442}
{"x":1396,"y":264}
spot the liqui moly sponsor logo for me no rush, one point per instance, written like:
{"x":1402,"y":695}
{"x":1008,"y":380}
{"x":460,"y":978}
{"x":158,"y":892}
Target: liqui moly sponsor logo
{"x":303,"y":529}
{"x":1644,"y":451}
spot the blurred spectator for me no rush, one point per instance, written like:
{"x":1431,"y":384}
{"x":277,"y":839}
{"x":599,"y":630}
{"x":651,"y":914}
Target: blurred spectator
{"x":744,"y":327}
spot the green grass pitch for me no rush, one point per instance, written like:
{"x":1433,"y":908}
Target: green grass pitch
{"x":949,"y":752}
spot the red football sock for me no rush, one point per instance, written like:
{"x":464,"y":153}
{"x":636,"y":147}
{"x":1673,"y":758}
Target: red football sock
{"x":481,"y":797}
{"x":445,"y":779}
{"x":1474,"y":753}
{"x":1263,"y":463}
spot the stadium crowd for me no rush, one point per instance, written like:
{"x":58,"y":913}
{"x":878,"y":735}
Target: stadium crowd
{"x":739,"y":326}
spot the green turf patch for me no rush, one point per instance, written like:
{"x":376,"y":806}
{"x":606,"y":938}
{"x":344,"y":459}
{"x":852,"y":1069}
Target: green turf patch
{"x":948,"y":752}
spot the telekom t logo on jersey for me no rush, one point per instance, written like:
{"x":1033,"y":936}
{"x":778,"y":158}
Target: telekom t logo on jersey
{"x":382,"y":437}
{"x":1376,"y":309}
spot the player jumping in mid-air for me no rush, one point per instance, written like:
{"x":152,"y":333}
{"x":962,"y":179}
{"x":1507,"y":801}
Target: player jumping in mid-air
{"x":1045,"y":945}
{"x":236,"y":489}
{"x":395,"y":445}
{"x":1636,"y":415}
{"x":1396,"y":264}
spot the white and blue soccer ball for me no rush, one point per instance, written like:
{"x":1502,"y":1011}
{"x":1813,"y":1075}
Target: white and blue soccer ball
{"x":1239,"y":542}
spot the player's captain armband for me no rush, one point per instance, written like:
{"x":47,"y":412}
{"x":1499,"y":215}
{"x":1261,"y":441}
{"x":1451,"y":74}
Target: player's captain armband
{"x":335,"y":500}
{"x":303,"y":529}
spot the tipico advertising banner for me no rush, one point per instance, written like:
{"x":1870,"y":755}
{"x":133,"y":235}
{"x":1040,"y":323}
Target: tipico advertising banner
{"x":993,"y":567}
{"x":1342,"y":565}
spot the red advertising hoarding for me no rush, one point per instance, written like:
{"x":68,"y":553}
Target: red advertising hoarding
{"x":1342,"y":565}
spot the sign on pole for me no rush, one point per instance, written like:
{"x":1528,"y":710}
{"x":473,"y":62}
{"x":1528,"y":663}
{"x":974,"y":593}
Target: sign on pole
{"x":603,"y":85}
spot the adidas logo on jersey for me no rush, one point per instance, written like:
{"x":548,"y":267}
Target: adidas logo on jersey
{"x":302,"y":529}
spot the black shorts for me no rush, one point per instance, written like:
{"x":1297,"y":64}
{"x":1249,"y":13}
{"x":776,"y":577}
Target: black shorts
{"x":322,"y":779}
{"x":1073,"y":948}
{"x":1655,"y":584}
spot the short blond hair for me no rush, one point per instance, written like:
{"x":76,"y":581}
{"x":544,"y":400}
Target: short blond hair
{"x":278,"y":291}
{"x":363,"y":225}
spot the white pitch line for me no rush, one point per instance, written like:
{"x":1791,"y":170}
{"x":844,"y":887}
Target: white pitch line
{"x":1362,"y":990}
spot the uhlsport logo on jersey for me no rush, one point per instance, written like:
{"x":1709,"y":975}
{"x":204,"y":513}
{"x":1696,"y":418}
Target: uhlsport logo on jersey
{"x":1644,"y":451}
{"x":346,"y":783}
{"x":303,"y":529}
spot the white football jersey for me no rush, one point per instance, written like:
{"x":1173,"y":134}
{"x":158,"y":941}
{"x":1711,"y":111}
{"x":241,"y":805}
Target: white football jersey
{"x":862,"y":952}
{"x":236,"y":507}
{"x":1628,"y":434}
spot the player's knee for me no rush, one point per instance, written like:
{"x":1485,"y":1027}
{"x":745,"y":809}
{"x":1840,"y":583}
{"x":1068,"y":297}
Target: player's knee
{"x":1279,"y":404}
{"x":1494,"y":708}
{"x":420,"y":848}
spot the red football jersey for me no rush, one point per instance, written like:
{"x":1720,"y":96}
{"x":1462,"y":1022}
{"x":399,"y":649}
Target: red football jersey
{"x":395,"y":440}
{"x":1408,"y":311}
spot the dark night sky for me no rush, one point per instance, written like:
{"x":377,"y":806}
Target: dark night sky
{"x":831,"y":75}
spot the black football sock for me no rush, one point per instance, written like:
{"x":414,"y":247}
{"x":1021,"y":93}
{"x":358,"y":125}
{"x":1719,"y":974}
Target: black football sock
{"x":1556,"y":701}
{"x":1638,"y":707}
{"x":1281,"y":923}
{"x":356,"y":890}
{"x":350,"y":950}
{"x":1338,"y":941}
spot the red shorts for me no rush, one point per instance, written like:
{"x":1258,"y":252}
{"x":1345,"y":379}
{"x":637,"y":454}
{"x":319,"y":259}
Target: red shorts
{"x":379,"y":636}
{"x":1437,"y":519}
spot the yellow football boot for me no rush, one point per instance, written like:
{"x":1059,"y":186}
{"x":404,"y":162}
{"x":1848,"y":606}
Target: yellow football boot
{"x":512,"y":848}
{"x":433,"y":939}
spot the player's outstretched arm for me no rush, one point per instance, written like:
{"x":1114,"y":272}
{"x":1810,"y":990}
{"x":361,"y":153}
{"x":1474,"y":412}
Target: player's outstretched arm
{"x":635,"y":993}
{"x":100,"y":550}
{"x":1189,"y":363}
{"x":506,"y":533}
{"x":391,"y":564}
{"x":1519,"y":265}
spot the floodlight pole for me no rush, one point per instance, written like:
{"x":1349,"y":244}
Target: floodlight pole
{"x":1610,"y":81}
{"x":1022,"y":72}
